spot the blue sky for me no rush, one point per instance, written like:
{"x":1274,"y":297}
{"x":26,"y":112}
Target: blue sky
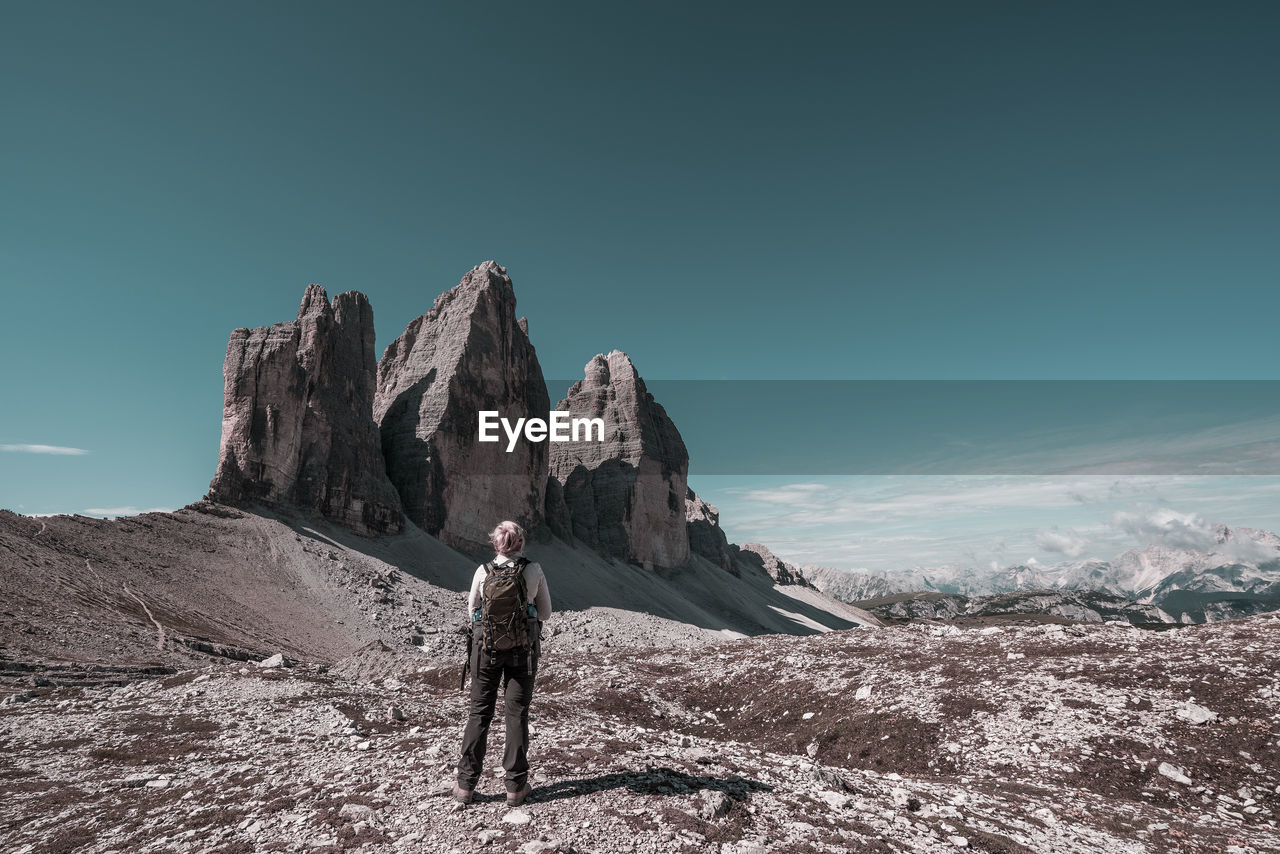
{"x":731,"y":191}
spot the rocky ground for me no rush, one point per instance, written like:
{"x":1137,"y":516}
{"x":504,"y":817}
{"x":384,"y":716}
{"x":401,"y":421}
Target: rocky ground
{"x":1011,"y":738}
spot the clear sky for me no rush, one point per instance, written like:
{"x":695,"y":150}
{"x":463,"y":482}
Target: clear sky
{"x":724,"y":191}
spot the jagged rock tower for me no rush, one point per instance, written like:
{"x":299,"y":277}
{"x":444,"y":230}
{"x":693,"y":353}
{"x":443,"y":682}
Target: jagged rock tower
{"x":468,"y":353}
{"x":624,"y":496}
{"x":706,"y":537}
{"x":297,"y":425}
{"x":779,"y":570}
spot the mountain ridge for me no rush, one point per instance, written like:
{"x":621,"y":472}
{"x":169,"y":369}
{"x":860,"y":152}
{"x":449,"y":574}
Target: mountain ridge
{"x":1192,"y":585}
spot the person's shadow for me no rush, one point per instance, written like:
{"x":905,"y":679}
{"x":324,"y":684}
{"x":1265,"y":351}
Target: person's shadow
{"x":656,"y":781}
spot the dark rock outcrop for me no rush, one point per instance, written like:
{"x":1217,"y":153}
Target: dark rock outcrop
{"x":557,"y":512}
{"x":625,"y":495}
{"x":297,"y":426}
{"x":779,"y":570}
{"x":706,"y":537}
{"x":468,"y":353}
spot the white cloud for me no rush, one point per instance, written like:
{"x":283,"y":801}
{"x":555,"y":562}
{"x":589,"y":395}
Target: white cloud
{"x":886,"y":523}
{"x":56,"y":450}
{"x":906,"y":499}
{"x":1067,"y":544}
{"x":1167,"y":527}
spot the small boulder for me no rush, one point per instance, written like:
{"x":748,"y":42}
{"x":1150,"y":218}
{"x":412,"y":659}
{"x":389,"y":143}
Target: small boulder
{"x":1194,"y":714}
{"x":829,"y":778}
{"x":714,"y":804}
{"x":357,"y":812}
{"x":835,"y":800}
{"x":134,"y":781}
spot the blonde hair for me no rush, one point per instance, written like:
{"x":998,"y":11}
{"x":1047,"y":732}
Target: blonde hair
{"x":507,"y":538}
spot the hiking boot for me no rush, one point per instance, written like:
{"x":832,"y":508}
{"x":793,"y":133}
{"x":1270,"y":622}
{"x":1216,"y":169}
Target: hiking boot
{"x":515,"y":799}
{"x":463,"y":796}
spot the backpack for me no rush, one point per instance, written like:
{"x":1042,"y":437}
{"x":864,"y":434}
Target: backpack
{"x":504,"y":620}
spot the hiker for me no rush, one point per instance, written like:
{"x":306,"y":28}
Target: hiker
{"x":508,"y":602}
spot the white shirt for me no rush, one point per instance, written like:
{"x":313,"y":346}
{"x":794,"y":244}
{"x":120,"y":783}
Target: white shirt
{"x":535,"y":584}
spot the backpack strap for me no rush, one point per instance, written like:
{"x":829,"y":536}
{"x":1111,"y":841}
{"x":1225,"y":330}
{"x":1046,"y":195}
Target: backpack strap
{"x":520,"y":563}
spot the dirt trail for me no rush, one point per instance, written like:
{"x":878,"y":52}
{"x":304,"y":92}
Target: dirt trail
{"x":102,"y":582}
{"x":150,"y":616}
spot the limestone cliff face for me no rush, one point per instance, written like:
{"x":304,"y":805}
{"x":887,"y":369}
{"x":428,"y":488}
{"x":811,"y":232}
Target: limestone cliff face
{"x":779,"y":570}
{"x":468,"y":353}
{"x":297,"y":425}
{"x":706,"y":537}
{"x":626,"y":495}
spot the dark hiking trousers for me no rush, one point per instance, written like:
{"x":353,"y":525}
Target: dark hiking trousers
{"x":512,"y":671}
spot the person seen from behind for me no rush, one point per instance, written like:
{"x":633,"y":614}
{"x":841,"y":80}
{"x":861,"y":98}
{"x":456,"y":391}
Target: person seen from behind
{"x":509,"y":601}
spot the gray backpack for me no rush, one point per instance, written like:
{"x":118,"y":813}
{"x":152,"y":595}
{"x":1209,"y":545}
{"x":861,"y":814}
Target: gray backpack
{"x":504,"y":614}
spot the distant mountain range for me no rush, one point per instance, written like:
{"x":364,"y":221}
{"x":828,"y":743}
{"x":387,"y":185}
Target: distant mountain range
{"x":1239,"y":575}
{"x":1077,"y":606}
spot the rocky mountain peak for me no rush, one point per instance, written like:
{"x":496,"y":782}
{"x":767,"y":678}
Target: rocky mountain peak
{"x":468,"y":353}
{"x":604,"y":370}
{"x":706,"y":537}
{"x":315,"y":301}
{"x":640,"y":427}
{"x":297,"y":427}
{"x":778,"y":569}
{"x":625,"y":496}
